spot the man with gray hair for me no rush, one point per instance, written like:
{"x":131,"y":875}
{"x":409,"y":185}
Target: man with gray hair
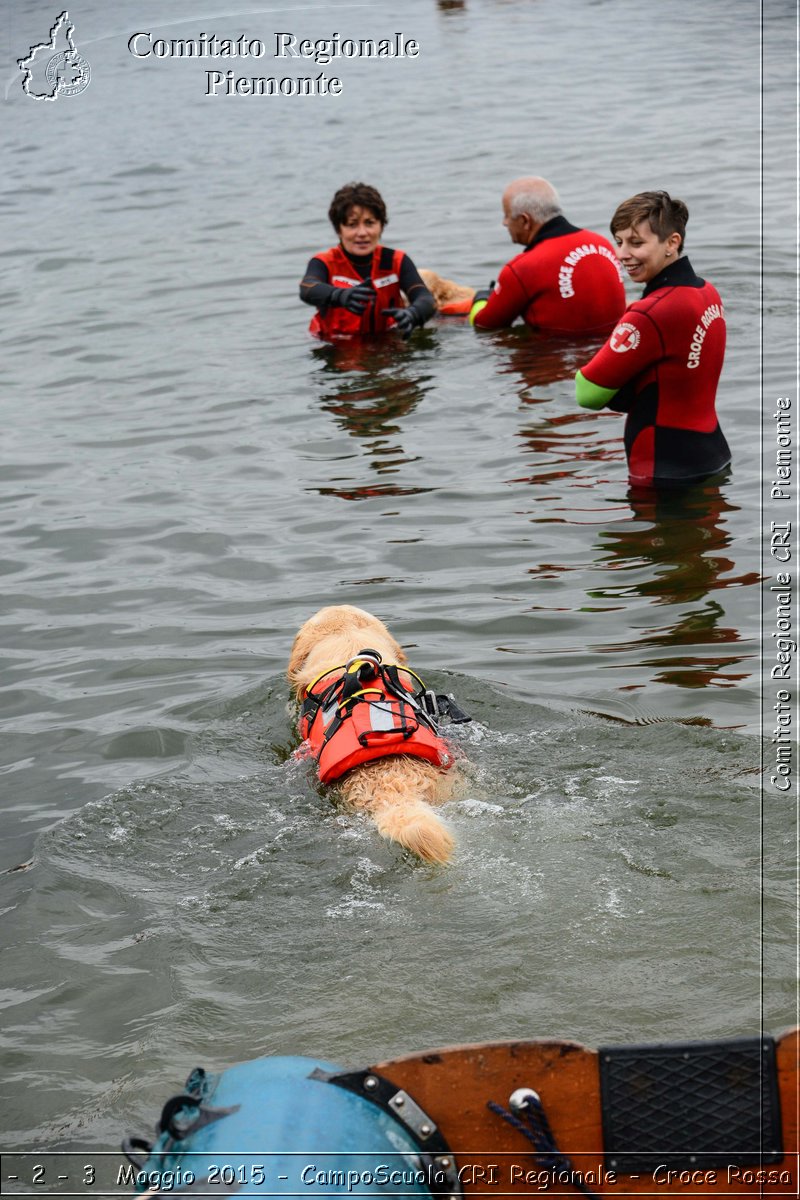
{"x":566,"y":280}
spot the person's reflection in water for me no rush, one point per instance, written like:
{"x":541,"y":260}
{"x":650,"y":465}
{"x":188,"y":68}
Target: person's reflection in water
{"x":683,"y":538}
{"x":558,"y":452}
{"x":541,"y":359}
{"x":367,"y":393}
{"x":671,"y":552}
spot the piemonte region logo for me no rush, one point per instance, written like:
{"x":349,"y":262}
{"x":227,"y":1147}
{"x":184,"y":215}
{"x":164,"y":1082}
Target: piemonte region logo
{"x":55,"y":68}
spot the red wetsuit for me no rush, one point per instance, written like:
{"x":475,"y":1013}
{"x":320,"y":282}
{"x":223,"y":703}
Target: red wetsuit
{"x":566,"y":281}
{"x":666,"y":354}
{"x":392,"y":273}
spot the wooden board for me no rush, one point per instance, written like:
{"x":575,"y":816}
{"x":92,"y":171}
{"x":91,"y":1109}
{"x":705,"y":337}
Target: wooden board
{"x":454,"y":1084}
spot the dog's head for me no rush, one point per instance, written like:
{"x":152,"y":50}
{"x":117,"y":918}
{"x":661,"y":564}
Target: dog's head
{"x":445,"y":291}
{"x":333,"y":636}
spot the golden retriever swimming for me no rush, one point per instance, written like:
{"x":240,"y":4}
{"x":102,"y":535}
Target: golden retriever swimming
{"x":339,"y":655}
{"x":452,"y":299}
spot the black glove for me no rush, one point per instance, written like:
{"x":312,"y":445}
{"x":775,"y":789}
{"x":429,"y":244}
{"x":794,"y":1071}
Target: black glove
{"x":354,"y":299}
{"x":483,"y":293}
{"x":406,"y":320}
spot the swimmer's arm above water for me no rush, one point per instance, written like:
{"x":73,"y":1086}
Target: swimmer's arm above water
{"x":609,"y":379}
{"x":315,"y":289}
{"x":499,"y":305}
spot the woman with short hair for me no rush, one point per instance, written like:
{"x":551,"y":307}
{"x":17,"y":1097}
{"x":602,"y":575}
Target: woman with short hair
{"x":360,"y":287}
{"x":662,"y":363}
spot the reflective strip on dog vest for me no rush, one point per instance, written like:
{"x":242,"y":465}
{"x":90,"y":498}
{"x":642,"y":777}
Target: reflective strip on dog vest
{"x":347,"y":721}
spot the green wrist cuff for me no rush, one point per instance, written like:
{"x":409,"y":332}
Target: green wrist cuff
{"x":476,"y":308}
{"x":590,"y":395}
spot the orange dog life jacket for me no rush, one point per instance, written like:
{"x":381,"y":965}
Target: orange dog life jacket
{"x":365,"y":710}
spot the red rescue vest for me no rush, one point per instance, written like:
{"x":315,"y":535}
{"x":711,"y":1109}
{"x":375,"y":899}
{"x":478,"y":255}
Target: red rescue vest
{"x":384,"y":272}
{"x":366,"y":710}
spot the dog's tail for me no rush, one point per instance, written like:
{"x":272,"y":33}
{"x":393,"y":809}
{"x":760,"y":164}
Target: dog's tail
{"x":415,"y":825}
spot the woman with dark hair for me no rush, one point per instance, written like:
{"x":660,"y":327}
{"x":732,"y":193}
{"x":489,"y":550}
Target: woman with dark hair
{"x":359,"y":286}
{"x":662,"y":363}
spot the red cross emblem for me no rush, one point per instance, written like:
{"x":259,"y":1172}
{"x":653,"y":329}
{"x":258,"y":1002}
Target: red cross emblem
{"x":625,"y":337}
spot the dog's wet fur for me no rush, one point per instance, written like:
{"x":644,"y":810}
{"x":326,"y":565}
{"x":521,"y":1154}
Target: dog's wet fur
{"x":397,"y":791}
{"x":445,"y":291}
